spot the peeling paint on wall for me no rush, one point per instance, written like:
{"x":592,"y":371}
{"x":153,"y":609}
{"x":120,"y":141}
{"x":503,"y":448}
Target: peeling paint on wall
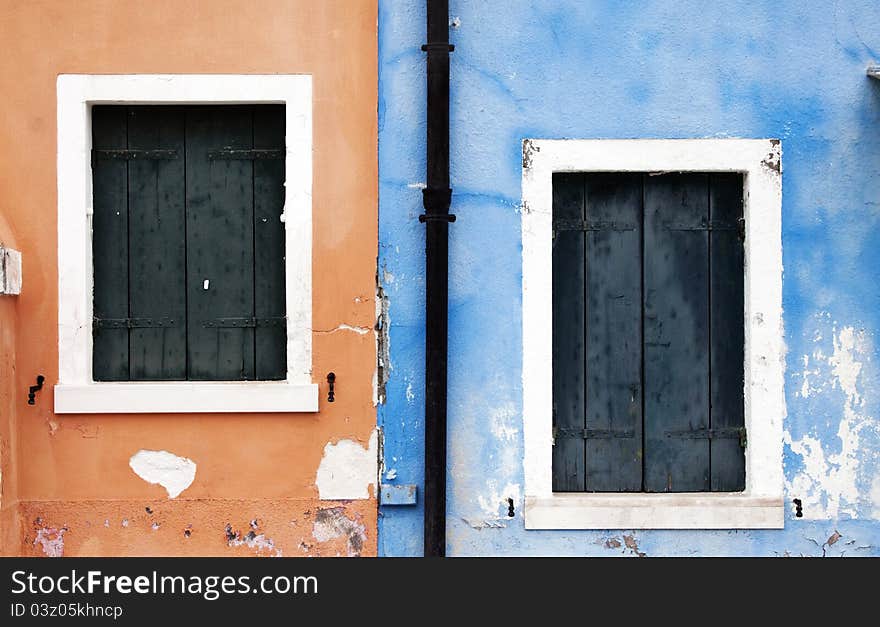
{"x":383,"y":340}
{"x":495,"y":505}
{"x":829,"y":457}
{"x":254,"y":539}
{"x":348,"y":470}
{"x":332,"y":523}
{"x":173,"y":473}
{"x":49,"y":539}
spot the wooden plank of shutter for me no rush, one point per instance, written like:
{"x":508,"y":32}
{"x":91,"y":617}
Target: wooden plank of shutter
{"x":157,"y":244}
{"x":613,"y":332}
{"x":676,"y":332}
{"x":568,"y":334}
{"x":727,"y":331}
{"x":220,"y":239}
{"x":269,"y":288}
{"x":110,"y":244}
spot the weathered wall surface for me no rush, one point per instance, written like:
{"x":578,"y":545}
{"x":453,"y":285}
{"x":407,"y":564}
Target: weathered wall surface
{"x":248,"y":484}
{"x":789,"y":70}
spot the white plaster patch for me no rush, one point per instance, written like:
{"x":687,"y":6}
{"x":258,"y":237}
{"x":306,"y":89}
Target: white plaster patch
{"x":173,"y":473}
{"x":827,"y":484}
{"x":348,"y":470}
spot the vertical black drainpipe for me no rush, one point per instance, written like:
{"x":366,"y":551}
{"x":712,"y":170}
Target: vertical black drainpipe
{"x":436,"y":198}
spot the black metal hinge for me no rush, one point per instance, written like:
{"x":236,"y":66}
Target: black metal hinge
{"x":134,"y":323}
{"x":134,"y":155}
{"x":575,"y":224}
{"x":240,"y":323}
{"x":235,"y":154}
{"x":567,"y":433}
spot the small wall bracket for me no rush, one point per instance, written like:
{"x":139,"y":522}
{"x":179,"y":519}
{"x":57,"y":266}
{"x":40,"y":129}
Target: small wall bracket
{"x":331,"y":382}
{"x":32,"y":390}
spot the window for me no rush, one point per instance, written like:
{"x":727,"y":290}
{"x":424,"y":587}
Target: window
{"x":188,"y":243}
{"x":665,"y":346}
{"x":187,"y":300}
{"x":648,"y":333}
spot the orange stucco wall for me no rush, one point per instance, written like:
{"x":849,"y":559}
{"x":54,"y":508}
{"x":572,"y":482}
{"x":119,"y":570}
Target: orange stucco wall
{"x":66,"y":479}
{"x":8,"y":465}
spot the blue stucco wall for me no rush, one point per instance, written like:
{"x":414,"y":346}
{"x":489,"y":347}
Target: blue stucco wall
{"x":654,"y":69}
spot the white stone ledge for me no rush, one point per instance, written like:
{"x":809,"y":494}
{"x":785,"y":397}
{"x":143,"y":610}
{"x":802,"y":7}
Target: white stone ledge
{"x":703,"y":510}
{"x":185,"y":397}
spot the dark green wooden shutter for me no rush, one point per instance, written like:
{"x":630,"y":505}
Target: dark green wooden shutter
{"x":157,"y":245}
{"x":188,"y":243}
{"x":220,"y":244}
{"x":269,"y":288}
{"x":613,"y":326}
{"x":676,"y":332}
{"x":569,"y":346}
{"x":110,"y":244}
{"x":648,"y":295}
{"x":727,"y":329}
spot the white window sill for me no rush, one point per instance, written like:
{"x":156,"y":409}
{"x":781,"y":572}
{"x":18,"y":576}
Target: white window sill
{"x":185,"y":397}
{"x":654,"y":511}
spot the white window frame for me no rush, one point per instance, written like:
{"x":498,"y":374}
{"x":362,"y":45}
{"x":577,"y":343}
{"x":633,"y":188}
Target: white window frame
{"x":76,"y":391}
{"x":760,"y":506}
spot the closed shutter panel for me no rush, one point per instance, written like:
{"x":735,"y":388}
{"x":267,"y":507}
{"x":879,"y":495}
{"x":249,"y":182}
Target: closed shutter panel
{"x":727,"y":330}
{"x":182,"y":201}
{"x":220,"y":244}
{"x":157,"y":245}
{"x":676,"y":332}
{"x":269,"y":288}
{"x":613,"y":326}
{"x":648,"y":295}
{"x":110,"y":244}
{"x":569,"y":347}
{"x":597,"y":343}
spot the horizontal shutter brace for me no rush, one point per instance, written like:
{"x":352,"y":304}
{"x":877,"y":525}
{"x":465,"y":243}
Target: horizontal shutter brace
{"x":571,"y":224}
{"x":133,"y":323}
{"x":236,"y":154}
{"x":134,"y":155}
{"x":565,"y":433}
{"x":710,"y":434}
{"x":238,"y":323}
{"x":152,"y":323}
{"x":711,"y":225}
